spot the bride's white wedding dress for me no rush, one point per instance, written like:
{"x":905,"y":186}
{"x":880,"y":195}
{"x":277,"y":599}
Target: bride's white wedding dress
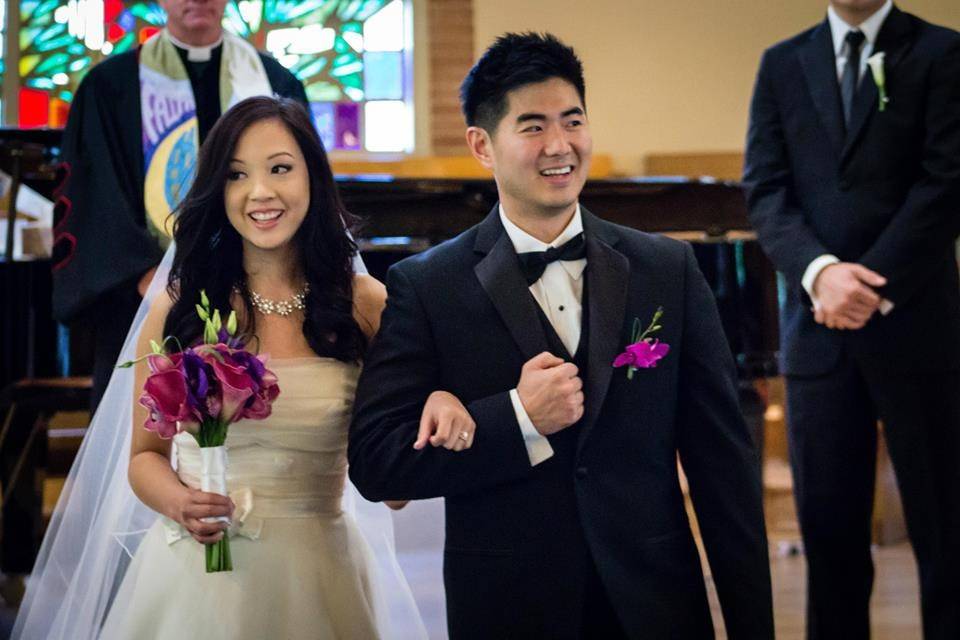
{"x":301,"y":568}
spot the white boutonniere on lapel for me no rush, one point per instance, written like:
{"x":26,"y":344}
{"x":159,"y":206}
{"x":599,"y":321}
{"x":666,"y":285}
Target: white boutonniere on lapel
{"x":875,"y":62}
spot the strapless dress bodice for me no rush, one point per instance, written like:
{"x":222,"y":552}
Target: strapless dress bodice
{"x":294,"y":462}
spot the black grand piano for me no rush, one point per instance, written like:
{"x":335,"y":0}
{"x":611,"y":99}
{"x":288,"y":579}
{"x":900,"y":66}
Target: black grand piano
{"x":399,"y":217}
{"x":404,"y":216}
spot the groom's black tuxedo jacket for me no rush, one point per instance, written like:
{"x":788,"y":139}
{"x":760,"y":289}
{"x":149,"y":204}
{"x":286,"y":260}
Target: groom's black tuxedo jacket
{"x":520,"y":538}
{"x":884,"y":192}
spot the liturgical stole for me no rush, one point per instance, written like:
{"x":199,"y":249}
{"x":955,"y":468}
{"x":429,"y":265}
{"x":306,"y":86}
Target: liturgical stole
{"x":171,"y":138}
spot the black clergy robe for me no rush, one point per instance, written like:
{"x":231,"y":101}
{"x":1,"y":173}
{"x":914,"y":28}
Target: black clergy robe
{"x":102,"y":245}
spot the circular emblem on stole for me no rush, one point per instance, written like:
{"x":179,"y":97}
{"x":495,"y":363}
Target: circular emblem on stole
{"x":169,"y":176}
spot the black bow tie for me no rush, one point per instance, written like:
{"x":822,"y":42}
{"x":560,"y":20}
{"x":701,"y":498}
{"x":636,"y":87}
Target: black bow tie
{"x":534,"y":263}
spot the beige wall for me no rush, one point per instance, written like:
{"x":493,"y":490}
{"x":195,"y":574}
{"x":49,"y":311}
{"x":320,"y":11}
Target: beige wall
{"x":421,"y":74}
{"x":669,"y":75}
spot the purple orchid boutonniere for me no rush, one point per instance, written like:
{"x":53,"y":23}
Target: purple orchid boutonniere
{"x":643,"y":352}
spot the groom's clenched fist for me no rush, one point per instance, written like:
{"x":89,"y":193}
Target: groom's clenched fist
{"x":551,"y":393}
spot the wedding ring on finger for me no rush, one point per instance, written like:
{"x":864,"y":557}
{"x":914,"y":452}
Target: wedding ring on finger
{"x":464,"y":436}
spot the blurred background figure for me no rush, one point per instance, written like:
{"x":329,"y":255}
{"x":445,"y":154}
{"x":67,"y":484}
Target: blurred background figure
{"x":853,"y":182}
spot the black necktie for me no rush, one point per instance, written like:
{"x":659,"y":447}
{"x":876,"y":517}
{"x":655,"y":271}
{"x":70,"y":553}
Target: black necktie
{"x":851,"y":73}
{"x":534,"y":263}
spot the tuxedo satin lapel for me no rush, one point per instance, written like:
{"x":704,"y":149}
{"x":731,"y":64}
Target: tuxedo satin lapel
{"x":499,"y":274}
{"x":894,"y":39}
{"x":608,"y":273}
{"x":820,"y":70}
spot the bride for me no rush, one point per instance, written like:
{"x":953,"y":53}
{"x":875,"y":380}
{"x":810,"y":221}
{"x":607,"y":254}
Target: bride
{"x":262,"y":232}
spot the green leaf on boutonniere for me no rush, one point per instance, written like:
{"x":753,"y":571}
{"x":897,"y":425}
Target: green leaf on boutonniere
{"x":643,"y":352}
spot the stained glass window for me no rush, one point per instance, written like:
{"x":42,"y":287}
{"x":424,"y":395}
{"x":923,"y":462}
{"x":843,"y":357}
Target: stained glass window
{"x":353,"y":56}
{"x":3,"y":45}
{"x":59,"y":42}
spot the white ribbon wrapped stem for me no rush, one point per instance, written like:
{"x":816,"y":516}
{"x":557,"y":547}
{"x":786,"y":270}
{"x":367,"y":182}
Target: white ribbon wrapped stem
{"x":213,"y":475}
{"x":244,"y":524}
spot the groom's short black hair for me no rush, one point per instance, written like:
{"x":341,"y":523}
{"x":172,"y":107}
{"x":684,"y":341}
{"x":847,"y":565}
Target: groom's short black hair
{"x":514,"y":60}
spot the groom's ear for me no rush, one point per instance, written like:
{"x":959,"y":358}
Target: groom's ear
{"x":481,"y":146}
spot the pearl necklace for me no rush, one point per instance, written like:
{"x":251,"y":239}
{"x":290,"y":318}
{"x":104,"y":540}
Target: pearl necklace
{"x":282,"y":308}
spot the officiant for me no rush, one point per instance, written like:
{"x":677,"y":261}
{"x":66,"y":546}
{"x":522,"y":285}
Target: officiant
{"x":130,"y":147}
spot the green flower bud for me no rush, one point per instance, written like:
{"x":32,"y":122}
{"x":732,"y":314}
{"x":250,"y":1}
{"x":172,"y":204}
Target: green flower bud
{"x":209,"y":334}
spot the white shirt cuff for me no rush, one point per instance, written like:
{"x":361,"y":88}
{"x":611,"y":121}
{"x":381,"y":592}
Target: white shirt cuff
{"x":538,"y":447}
{"x":813,"y":270}
{"x":819,"y":264}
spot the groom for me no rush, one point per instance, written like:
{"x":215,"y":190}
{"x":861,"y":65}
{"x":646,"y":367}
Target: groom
{"x":565,"y":518}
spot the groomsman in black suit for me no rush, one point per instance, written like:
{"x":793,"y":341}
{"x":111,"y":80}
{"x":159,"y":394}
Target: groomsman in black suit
{"x":853,"y":182}
{"x":564,"y":517}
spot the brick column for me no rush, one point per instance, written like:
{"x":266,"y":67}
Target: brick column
{"x":450,"y":57}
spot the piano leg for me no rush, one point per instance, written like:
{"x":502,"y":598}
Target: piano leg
{"x":753,"y":408}
{"x":106,"y":326}
{"x":22,"y":528}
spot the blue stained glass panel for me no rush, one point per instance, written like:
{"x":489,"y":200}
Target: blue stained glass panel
{"x":233,"y":17}
{"x":27,"y":7}
{"x":52,"y":64}
{"x":60,"y":42}
{"x":40,"y":83}
{"x":47,"y":6}
{"x":149,"y":12}
{"x":325,"y":122}
{"x":305,"y":67}
{"x":27,"y":36}
{"x":383,"y":75}
{"x":127,"y":21}
{"x":52,"y":31}
{"x":80,"y":64}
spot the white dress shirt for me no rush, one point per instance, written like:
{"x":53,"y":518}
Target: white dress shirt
{"x":838,"y":30}
{"x":869,"y":27}
{"x":559,"y":292}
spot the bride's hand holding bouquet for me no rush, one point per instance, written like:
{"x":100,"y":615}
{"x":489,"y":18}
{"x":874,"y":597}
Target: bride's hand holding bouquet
{"x":203,"y":390}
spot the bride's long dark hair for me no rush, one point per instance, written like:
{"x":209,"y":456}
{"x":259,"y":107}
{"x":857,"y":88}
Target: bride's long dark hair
{"x":209,"y":252}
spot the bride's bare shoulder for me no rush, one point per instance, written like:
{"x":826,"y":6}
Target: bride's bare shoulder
{"x":369,"y":299}
{"x":162,"y":303}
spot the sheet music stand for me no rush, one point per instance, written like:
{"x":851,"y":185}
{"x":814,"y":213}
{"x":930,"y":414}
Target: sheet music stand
{"x":26,"y":154}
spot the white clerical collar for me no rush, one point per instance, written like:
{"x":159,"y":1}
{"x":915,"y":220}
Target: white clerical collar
{"x":523,"y":242}
{"x":869,"y":27}
{"x":195,"y":54}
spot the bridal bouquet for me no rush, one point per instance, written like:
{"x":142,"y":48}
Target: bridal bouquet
{"x":203,"y":390}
